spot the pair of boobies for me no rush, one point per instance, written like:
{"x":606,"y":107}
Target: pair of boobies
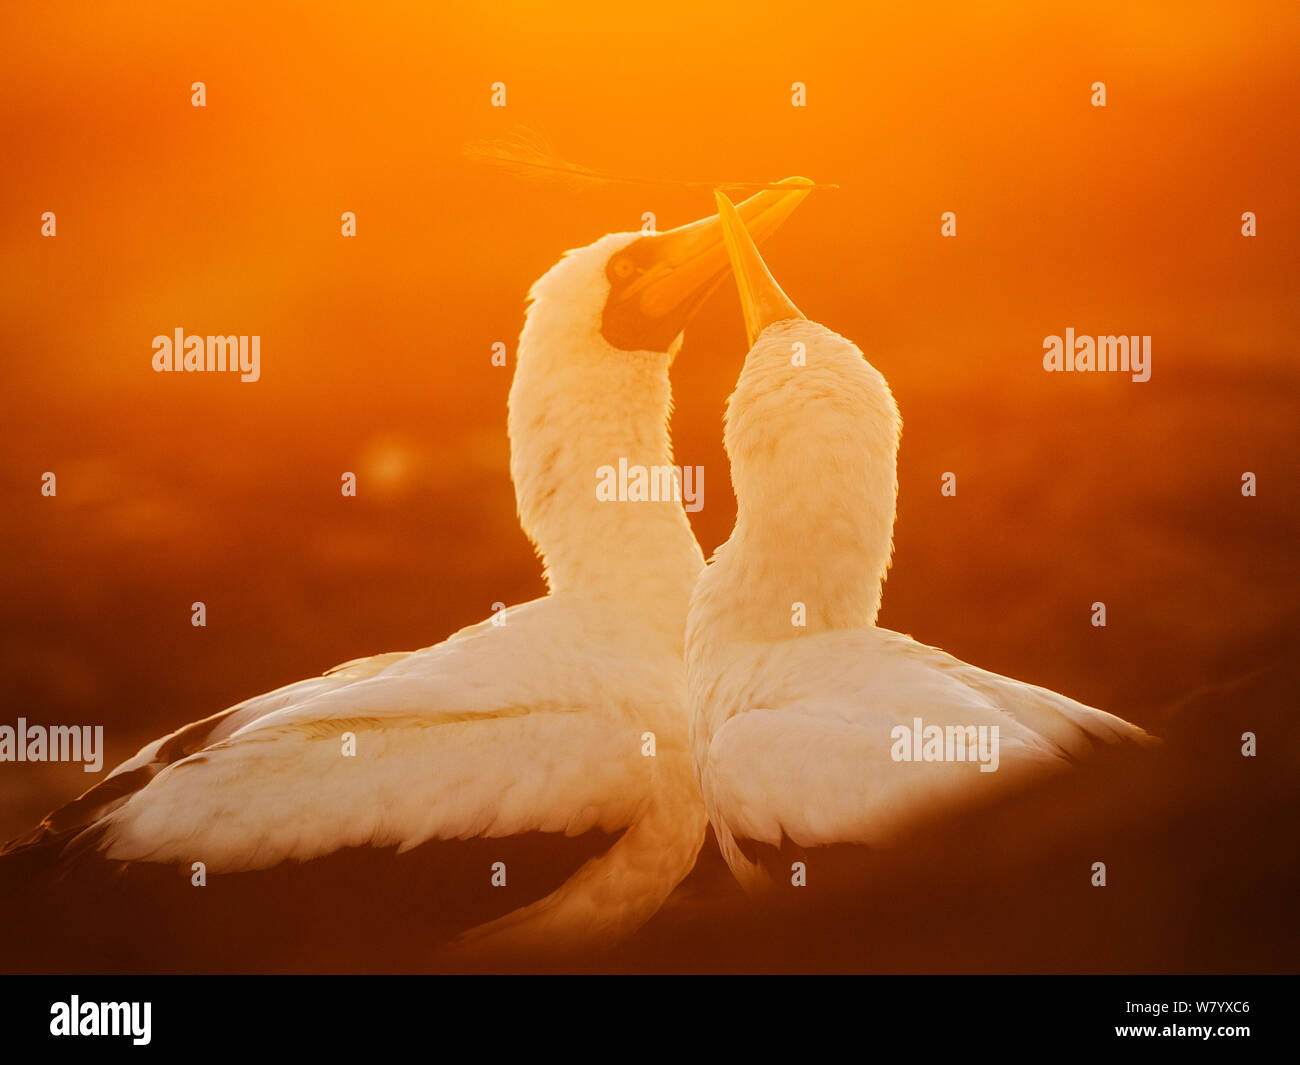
{"x":573,"y":731}
{"x":530,"y":775}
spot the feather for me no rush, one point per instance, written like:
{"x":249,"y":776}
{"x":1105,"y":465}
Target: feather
{"x":528,"y":153}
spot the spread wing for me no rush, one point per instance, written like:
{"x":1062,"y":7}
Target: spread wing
{"x":816,"y":761}
{"x":494,"y":732}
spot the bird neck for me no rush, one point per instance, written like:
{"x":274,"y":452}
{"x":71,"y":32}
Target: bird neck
{"x":813,"y":450}
{"x":573,"y":423}
{"x":798,"y":572}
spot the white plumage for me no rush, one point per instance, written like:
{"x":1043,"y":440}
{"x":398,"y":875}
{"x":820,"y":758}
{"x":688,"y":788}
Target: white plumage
{"x":796,"y":695}
{"x":538,"y":724}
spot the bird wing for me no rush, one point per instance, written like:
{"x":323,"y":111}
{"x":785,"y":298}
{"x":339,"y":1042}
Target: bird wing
{"x":814,"y":759}
{"x":1071,"y":726}
{"x":495,"y":731}
{"x":135,"y":773}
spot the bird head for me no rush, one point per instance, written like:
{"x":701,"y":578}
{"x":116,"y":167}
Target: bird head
{"x":636,"y":291}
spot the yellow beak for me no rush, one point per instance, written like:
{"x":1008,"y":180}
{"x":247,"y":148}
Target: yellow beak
{"x":669,"y":274}
{"x":761,"y":300}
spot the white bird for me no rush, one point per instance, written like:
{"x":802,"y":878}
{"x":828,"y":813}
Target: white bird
{"x":536,"y":721}
{"x":810,"y":724}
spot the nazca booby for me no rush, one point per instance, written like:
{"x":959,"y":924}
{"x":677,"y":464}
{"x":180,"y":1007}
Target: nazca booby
{"x":809,"y":722}
{"x":537,"y":725}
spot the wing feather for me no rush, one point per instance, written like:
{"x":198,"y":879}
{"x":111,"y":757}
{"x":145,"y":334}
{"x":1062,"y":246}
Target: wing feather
{"x":812,"y":761}
{"x":496,"y":731}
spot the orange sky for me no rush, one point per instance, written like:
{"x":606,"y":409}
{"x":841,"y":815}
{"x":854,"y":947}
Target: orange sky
{"x":375,"y":351}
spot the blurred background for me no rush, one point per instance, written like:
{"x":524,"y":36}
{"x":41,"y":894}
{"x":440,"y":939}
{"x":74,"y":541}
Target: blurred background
{"x":376,"y":351}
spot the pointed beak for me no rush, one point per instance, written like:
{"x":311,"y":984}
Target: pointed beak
{"x":659,"y":280}
{"x":761,"y":300}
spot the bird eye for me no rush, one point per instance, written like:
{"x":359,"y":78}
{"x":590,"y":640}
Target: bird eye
{"x":622,"y":268}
